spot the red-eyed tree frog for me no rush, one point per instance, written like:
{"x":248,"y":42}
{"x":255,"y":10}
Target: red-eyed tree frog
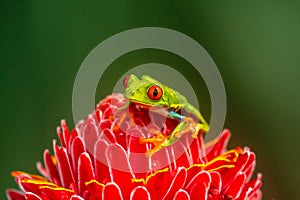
{"x":149,"y":93}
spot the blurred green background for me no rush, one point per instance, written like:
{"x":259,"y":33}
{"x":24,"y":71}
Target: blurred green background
{"x":255,"y":45}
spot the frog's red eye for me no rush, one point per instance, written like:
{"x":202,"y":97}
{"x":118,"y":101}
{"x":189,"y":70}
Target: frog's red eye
{"x":155,"y":92}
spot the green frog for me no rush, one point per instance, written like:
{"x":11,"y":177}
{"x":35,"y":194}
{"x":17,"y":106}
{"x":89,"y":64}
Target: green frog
{"x":151,"y":94}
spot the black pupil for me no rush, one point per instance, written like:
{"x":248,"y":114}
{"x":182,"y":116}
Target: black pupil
{"x":155,"y":92}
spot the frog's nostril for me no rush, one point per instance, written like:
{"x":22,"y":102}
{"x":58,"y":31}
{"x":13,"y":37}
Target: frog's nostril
{"x":125,"y":82}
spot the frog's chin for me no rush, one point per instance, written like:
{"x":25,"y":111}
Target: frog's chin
{"x":141,"y":104}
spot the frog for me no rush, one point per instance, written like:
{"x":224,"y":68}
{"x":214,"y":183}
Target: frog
{"x":149,"y":93}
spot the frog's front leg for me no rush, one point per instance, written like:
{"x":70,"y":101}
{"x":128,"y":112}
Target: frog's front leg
{"x":193,"y":127}
{"x":186,"y":125}
{"x":158,"y":141}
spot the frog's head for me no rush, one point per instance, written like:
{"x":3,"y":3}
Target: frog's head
{"x":146,"y":91}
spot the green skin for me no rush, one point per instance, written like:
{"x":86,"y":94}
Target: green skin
{"x":170,"y":102}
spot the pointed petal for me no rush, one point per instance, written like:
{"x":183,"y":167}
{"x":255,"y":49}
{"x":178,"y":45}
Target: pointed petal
{"x":98,"y":115}
{"x":102,"y":105}
{"x":101,"y":163}
{"x":138,"y":161}
{"x":201,"y":177}
{"x":181,"y":195}
{"x":181,"y":155}
{"x":119,"y":167}
{"x":162,"y":159}
{"x":216,"y":180}
{"x":105,"y":123}
{"x":256,"y":195}
{"x":85,"y":171}
{"x":235,"y":188}
{"x":177,"y":183}
{"x":13,"y":194}
{"x":250,"y":166}
{"x":60,"y":136}
{"x":41,"y":169}
{"x":90,"y":134}
{"x":215,"y":186}
{"x":30,"y":176}
{"x":153,"y":183}
{"x":65,"y":132}
{"x":192,"y":171}
{"x":73,"y":135}
{"x":109,"y":111}
{"x":64,"y":166}
{"x":140,"y":193}
{"x":217,"y":146}
{"x":112,"y":191}
{"x":199,"y":191}
{"x":77,"y":148}
{"x":95,"y":189}
{"x":46,"y":188}
{"x":56,"y":192}
{"x":251,"y":188}
{"x":196,"y":150}
{"x":32,"y":196}
{"x":29,"y":185}
{"x":231,"y":173}
{"x":51,"y":168}
{"x":108,"y":136}
{"x":202,"y":148}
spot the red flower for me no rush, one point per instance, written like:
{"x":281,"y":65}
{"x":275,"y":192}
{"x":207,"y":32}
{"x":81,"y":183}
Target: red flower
{"x":103,"y":158}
